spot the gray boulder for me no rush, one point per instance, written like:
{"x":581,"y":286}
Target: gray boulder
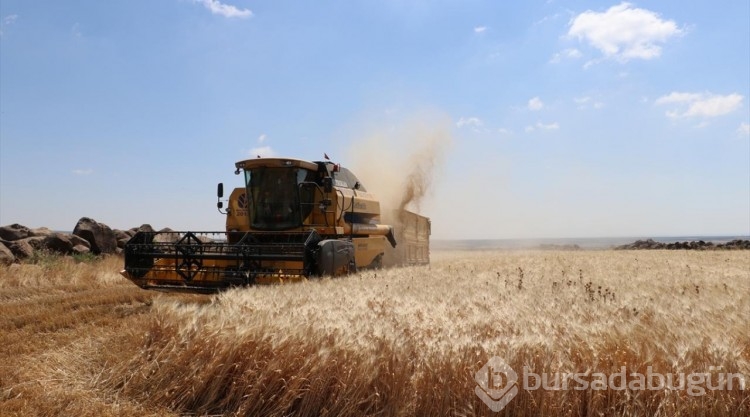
{"x":736,"y":244}
{"x":23,"y":248}
{"x":205,"y":239}
{"x":14,"y":232}
{"x":80,"y":249}
{"x":59,"y":242}
{"x":41,"y":231}
{"x":6,"y":256}
{"x":144,"y":228}
{"x":167,"y":235}
{"x":77,"y":240}
{"x":122,"y":238}
{"x":99,"y":235}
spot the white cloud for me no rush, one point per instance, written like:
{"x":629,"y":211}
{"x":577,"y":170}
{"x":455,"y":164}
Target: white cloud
{"x":7,"y":21}
{"x":585,"y":102}
{"x":535,"y":104}
{"x":469,"y":121}
{"x":480,"y":29}
{"x":675,"y":97}
{"x":87,"y":171}
{"x":547,"y":19}
{"x":624,"y":32}
{"x":714,"y":106}
{"x":226,"y":10}
{"x":542,"y":126}
{"x":504,"y":131}
{"x":262,"y":151}
{"x":550,"y":126}
{"x":744,"y":129}
{"x":699,"y":104}
{"x":569,"y":53}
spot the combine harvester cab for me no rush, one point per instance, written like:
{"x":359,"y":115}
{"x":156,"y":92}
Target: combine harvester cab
{"x":292,"y":219}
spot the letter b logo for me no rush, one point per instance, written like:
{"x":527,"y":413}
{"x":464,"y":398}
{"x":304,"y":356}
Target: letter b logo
{"x":497,"y":383}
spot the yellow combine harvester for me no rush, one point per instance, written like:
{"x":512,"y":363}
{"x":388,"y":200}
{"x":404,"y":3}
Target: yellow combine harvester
{"x":292,"y":219}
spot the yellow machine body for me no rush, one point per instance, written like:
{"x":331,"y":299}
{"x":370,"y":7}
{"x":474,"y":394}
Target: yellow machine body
{"x":290,"y":220}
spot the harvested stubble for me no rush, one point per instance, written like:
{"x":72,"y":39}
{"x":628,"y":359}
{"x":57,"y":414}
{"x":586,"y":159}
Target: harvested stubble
{"x":405,"y":341}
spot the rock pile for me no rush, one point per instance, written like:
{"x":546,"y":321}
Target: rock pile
{"x":694,"y":245}
{"x":551,"y":246}
{"x":19,"y":242}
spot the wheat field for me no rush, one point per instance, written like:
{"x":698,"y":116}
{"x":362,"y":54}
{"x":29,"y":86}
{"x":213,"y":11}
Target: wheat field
{"x":76,"y":339}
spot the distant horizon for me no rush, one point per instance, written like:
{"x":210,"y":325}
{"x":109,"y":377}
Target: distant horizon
{"x":583,"y":243}
{"x":655,"y":237}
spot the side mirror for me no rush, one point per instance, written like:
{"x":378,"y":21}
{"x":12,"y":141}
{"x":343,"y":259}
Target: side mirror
{"x":219,"y":194}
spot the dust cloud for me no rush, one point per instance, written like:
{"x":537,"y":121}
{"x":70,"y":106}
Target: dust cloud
{"x":399,"y":163}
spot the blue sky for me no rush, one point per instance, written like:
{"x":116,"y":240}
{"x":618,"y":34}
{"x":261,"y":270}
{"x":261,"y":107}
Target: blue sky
{"x":554,"y":118}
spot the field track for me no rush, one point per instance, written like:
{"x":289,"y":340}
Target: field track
{"x":59,"y":324}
